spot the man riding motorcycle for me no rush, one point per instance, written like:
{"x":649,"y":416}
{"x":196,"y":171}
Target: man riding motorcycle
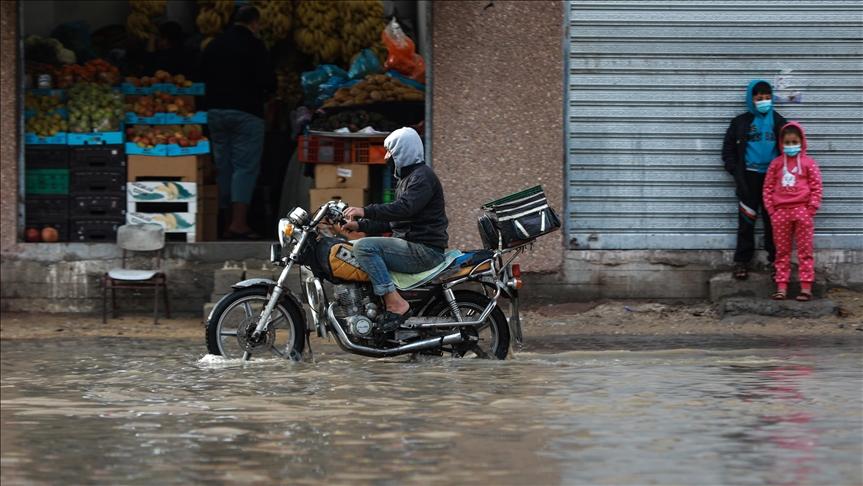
{"x":417,"y":219}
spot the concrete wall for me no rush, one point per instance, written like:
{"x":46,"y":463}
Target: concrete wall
{"x":65,"y":277}
{"x":667,"y":275}
{"x":8,"y":123}
{"x":497,"y":111}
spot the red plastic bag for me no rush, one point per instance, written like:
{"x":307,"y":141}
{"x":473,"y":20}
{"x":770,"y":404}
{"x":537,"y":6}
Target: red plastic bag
{"x":402,"y":53}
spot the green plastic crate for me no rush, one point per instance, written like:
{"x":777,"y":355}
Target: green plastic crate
{"x":46,"y":181}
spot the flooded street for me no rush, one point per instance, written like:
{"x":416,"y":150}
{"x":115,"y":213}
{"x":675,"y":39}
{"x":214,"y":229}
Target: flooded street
{"x":124,"y":411}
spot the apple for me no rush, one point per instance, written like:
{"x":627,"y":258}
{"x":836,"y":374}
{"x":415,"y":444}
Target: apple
{"x":32,"y":235}
{"x":50,"y":234}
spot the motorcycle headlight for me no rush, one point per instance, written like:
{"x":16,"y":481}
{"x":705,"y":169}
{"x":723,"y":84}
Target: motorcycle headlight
{"x":286,"y":231}
{"x":299,"y":216}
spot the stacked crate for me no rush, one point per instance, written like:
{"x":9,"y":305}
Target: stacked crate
{"x":97,"y":192}
{"x":175,"y":192}
{"x":341,"y":167}
{"x":347,"y":182}
{"x":46,"y":199}
{"x":46,"y":167}
{"x":169,"y":184}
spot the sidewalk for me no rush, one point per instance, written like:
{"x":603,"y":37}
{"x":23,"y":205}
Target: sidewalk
{"x":590,"y":318}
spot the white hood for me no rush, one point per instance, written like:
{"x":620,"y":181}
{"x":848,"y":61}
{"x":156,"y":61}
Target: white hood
{"x":406,"y":148}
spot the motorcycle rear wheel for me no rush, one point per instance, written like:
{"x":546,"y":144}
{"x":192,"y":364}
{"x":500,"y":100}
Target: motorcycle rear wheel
{"x":246,"y":305}
{"x":493,"y":333}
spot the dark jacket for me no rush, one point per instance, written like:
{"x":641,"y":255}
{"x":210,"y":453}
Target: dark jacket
{"x":417,"y":215}
{"x":238,"y":72}
{"x":734,"y":147}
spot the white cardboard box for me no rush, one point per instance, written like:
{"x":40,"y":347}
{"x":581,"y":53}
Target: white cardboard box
{"x":172,"y":222}
{"x":161,"y":191}
{"x":178,"y":206}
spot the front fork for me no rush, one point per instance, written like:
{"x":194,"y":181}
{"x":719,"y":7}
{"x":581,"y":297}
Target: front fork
{"x":275,"y":295}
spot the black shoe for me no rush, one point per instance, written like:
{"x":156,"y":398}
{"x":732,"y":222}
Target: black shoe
{"x":390,"y":321}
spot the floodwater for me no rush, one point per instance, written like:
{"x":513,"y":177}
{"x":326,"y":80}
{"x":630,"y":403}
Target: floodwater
{"x":121,"y":411}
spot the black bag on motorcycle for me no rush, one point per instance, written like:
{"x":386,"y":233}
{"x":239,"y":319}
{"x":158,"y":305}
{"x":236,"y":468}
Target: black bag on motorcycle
{"x":517,"y":219}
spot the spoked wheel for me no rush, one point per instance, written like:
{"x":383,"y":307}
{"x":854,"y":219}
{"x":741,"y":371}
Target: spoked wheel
{"x":490,"y":339}
{"x":229,"y":332}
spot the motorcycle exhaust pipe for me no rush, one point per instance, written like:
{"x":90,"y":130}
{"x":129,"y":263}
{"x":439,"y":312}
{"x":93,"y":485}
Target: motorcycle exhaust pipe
{"x":346,"y":344}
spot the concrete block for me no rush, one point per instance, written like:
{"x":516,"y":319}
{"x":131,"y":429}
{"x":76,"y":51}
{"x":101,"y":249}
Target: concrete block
{"x":736,"y":306}
{"x":224,"y":278}
{"x":758,"y":285}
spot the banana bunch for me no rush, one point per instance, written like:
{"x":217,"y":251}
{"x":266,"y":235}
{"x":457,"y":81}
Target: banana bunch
{"x":317,"y":32}
{"x":225,"y":9}
{"x":213,"y":16}
{"x":139,"y":23}
{"x":275,"y":20}
{"x":209,"y":22}
{"x":150,"y":8}
{"x":362,"y":23}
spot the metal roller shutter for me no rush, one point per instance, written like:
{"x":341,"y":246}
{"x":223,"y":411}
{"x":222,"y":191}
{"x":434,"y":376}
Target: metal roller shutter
{"x":652,"y":86}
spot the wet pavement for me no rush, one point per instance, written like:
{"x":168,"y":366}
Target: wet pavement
{"x":620,"y":410}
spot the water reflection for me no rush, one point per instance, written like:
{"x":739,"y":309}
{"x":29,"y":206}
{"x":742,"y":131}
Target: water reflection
{"x":148,"y":412}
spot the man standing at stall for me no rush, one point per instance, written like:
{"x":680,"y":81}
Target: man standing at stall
{"x":239,"y":76}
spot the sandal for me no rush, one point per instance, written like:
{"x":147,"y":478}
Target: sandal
{"x":779,"y":295}
{"x":741,"y":272}
{"x":804,"y":297}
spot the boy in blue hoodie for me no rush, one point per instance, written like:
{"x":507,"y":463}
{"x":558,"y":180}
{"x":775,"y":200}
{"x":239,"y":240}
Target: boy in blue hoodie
{"x":749,"y":147}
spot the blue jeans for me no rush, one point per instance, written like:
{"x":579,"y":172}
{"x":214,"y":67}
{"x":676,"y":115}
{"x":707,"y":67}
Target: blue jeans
{"x":238,"y":142}
{"x":376,"y":255}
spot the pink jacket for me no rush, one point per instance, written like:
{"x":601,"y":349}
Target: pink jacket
{"x":806,"y":190}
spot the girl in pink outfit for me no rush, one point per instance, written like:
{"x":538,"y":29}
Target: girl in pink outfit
{"x":792,"y":195}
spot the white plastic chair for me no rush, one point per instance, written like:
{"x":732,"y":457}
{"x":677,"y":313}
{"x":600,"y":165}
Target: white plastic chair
{"x":138,"y":238}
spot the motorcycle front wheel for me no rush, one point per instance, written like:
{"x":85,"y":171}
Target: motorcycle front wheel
{"x":240,"y":311}
{"x":492,"y":334}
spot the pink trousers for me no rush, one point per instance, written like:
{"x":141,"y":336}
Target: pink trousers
{"x":793,"y":225}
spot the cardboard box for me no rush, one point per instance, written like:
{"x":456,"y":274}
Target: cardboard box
{"x":172,"y":222}
{"x":351,"y":196}
{"x":161,"y":191}
{"x":341,"y":175}
{"x":187,"y":168}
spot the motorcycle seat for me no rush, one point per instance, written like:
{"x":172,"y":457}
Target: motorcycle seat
{"x":456,"y":264}
{"x":407,"y":281}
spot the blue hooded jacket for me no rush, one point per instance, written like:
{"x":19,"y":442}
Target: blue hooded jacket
{"x":761,"y":147}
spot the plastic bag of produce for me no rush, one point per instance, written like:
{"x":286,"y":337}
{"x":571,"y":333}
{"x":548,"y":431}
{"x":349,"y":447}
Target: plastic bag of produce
{"x":402,"y":52}
{"x":328,"y":89}
{"x":311,"y":80}
{"x":406,"y":80}
{"x":364,"y":63}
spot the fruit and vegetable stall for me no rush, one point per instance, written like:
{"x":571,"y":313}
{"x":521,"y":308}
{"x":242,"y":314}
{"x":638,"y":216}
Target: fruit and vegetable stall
{"x":109,"y":142}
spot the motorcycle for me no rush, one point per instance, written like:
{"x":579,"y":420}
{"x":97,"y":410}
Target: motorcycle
{"x":455,"y":307}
